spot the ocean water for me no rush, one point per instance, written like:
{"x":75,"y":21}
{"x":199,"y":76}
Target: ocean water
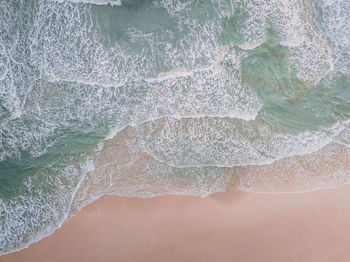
{"x":151,"y":97}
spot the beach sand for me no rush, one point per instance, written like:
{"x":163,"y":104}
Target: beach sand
{"x":230,"y":226}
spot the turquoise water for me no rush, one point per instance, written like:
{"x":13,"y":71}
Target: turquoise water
{"x":144,"y":98}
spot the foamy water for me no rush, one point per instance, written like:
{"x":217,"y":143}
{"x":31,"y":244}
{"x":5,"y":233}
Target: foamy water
{"x":146,"y":98}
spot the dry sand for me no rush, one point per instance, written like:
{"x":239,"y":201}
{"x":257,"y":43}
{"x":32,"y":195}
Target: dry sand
{"x":231,"y":226}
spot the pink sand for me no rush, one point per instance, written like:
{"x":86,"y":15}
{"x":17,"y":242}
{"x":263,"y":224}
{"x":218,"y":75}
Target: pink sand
{"x":232,"y":226}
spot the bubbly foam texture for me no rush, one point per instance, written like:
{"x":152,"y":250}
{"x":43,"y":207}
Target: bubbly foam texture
{"x":221,"y":142}
{"x":75,"y":69}
{"x":183,"y":104}
{"x":125,"y":169}
{"x":326,"y":168}
{"x":38,"y":209}
{"x":344,"y":137}
{"x":97,"y":2}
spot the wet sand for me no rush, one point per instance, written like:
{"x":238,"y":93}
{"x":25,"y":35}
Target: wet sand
{"x":230,"y":226}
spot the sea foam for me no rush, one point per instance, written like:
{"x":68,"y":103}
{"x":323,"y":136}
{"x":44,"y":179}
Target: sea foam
{"x":193,"y":98}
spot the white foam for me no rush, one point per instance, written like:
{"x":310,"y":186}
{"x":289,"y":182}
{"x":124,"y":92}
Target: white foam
{"x":171,"y":75}
{"x":181,"y":95}
{"x":250,"y":46}
{"x":96,"y":2}
{"x":53,"y":79}
{"x":323,"y":169}
{"x":224,"y":143}
{"x":3,"y":71}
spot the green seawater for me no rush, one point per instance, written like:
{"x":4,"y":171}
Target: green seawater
{"x":153,"y":97}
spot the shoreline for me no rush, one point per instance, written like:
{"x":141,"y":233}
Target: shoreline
{"x":229,"y":226}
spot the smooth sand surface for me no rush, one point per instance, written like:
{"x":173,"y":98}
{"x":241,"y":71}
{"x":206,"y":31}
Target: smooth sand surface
{"x":232,"y":226}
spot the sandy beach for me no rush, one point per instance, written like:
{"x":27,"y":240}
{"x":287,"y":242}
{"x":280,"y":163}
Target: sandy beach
{"x":230,"y":226}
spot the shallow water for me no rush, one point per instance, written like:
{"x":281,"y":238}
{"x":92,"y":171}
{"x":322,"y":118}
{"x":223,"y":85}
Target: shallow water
{"x":144,"y":98}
